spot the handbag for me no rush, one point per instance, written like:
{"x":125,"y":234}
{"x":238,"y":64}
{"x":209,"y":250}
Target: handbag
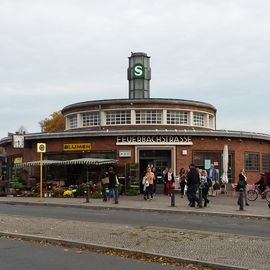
{"x":105,"y":180}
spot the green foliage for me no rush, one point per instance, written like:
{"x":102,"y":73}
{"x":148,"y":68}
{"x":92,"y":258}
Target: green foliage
{"x":16,"y":184}
{"x":132,"y":192}
{"x":96,"y":195}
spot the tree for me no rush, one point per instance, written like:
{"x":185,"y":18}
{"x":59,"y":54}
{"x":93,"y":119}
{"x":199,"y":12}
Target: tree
{"x":56,"y":122}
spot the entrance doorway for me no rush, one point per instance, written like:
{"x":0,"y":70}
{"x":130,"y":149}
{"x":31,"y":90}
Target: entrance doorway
{"x":158,"y":159}
{"x":155,"y":158}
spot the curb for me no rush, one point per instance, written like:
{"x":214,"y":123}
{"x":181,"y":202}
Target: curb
{"x":197,"y":211}
{"x":104,"y":248}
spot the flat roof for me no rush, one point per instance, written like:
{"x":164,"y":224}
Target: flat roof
{"x":142,"y":132}
{"x":139,"y":101}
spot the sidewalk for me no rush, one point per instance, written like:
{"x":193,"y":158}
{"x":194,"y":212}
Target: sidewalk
{"x":219,"y":205}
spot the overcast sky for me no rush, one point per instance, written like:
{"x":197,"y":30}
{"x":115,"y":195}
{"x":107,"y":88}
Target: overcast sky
{"x":58,"y":52}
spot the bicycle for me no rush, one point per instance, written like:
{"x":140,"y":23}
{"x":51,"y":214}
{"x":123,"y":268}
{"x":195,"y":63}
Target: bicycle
{"x":253,"y":194}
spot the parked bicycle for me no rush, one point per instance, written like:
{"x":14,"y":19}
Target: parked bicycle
{"x":254,"y":193}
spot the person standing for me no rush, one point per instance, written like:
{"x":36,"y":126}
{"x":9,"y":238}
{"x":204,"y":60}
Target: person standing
{"x":105,"y":185}
{"x":243,"y":184}
{"x":148,"y":182}
{"x":213,"y":175}
{"x":169,"y":180}
{"x":193,"y":181}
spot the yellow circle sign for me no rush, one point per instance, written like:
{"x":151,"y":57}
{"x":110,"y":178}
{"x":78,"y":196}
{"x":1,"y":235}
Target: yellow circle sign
{"x":41,"y":147}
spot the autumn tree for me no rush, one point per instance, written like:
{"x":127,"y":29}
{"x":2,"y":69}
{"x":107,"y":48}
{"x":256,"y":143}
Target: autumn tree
{"x":54,"y":123}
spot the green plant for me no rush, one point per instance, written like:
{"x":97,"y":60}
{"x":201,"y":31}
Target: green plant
{"x":96,"y":195}
{"x":132,"y":192}
{"x":16,"y":184}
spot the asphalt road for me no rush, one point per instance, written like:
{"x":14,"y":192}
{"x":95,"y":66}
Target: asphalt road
{"x":232,"y":225}
{"x":24,"y":255}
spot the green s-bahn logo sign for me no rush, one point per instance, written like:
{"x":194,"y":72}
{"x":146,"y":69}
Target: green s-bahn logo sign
{"x":138,"y":71}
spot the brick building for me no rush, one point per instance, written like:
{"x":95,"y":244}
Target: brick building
{"x":141,"y":131}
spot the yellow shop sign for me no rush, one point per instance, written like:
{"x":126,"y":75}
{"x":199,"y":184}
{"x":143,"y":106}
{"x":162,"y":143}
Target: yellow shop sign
{"x":77,"y":147}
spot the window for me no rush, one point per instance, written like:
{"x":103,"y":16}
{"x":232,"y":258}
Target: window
{"x":252,"y":161}
{"x":91,"y":119}
{"x":148,"y":117}
{"x":177,"y":117}
{"x":198,"y":119}
{"x":118,"y":118}
{"x":265,"y":162}
{"x":72,"y":121}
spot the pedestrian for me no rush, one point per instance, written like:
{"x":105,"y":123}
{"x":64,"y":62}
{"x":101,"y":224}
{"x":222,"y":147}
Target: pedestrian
{"x":205,"y":184}
{"x":169,"y":180}
{"x":242,"y":184}
{"x":213,"y":175}
{"x":148,"y":183}
{"x":182,"y":177}
{"x":261,"y":185}
{"x":193,"y":181}
{"x":105,"y":186}
{"x":113,"y":183}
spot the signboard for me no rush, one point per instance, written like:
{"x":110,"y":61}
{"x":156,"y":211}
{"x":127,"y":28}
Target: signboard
{"x":77,"y":147}
{"x":207,"y":164}
{"x":124,"y":153}
{"x":41,"y":147}
{"x":154,"y":140}
{"x":18,"y":160}
{"x":138,"y":71}
{"x":18,"y":141}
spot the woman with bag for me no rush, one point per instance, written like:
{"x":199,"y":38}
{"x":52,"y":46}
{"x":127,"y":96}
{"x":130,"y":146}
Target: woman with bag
{"x":148,"y":184}
{"x":105,"y":186}
{"x":242,"y":184}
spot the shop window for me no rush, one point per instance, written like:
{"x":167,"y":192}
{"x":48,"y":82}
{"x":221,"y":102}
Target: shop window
{"x":265,"y":162}
{"x":252,"y":161}
{"x":177,"y":117}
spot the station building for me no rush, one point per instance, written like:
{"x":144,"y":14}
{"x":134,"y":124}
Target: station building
{"x":141,"y":131}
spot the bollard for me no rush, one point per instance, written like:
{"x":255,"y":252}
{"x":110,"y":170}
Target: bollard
{"x":241,"y":199}
{"x":200,"y":197}
{"x":116,"y":194}
{"x":87,"y":192}
{"x":173,"y":197}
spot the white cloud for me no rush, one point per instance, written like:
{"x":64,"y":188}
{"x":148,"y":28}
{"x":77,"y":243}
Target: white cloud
{"x":65,"y":51}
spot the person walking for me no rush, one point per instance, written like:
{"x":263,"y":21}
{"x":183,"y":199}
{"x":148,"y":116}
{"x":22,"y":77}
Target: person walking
{"x":205,"y":183}
{"x":182,"y":177}
{"x":193,"y":181}
{"x":242,"y":183}
{"x":213,"y":175}
{"x":113,"y":183}
{"x":169,"y":180}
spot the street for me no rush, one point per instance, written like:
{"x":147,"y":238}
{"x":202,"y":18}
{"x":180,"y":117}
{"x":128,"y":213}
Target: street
{"x":25,"y":255}
{"x":187,"y":236}
{"x":201,"y":222}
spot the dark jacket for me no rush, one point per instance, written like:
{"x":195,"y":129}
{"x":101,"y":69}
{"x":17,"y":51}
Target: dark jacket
{"x":166,"y":177}
{"x":193,"y":177}
{"x":112,"y":180}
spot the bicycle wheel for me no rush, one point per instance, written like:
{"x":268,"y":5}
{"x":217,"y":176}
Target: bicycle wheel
{"x":252,"y":195}
{"x":267,"y":197}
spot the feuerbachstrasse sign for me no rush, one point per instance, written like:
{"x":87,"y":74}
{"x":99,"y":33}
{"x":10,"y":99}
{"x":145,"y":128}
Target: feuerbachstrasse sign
{"x":154,"y":139}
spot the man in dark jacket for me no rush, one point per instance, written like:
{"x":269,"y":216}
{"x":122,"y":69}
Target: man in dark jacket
{"x":193,"y":181}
